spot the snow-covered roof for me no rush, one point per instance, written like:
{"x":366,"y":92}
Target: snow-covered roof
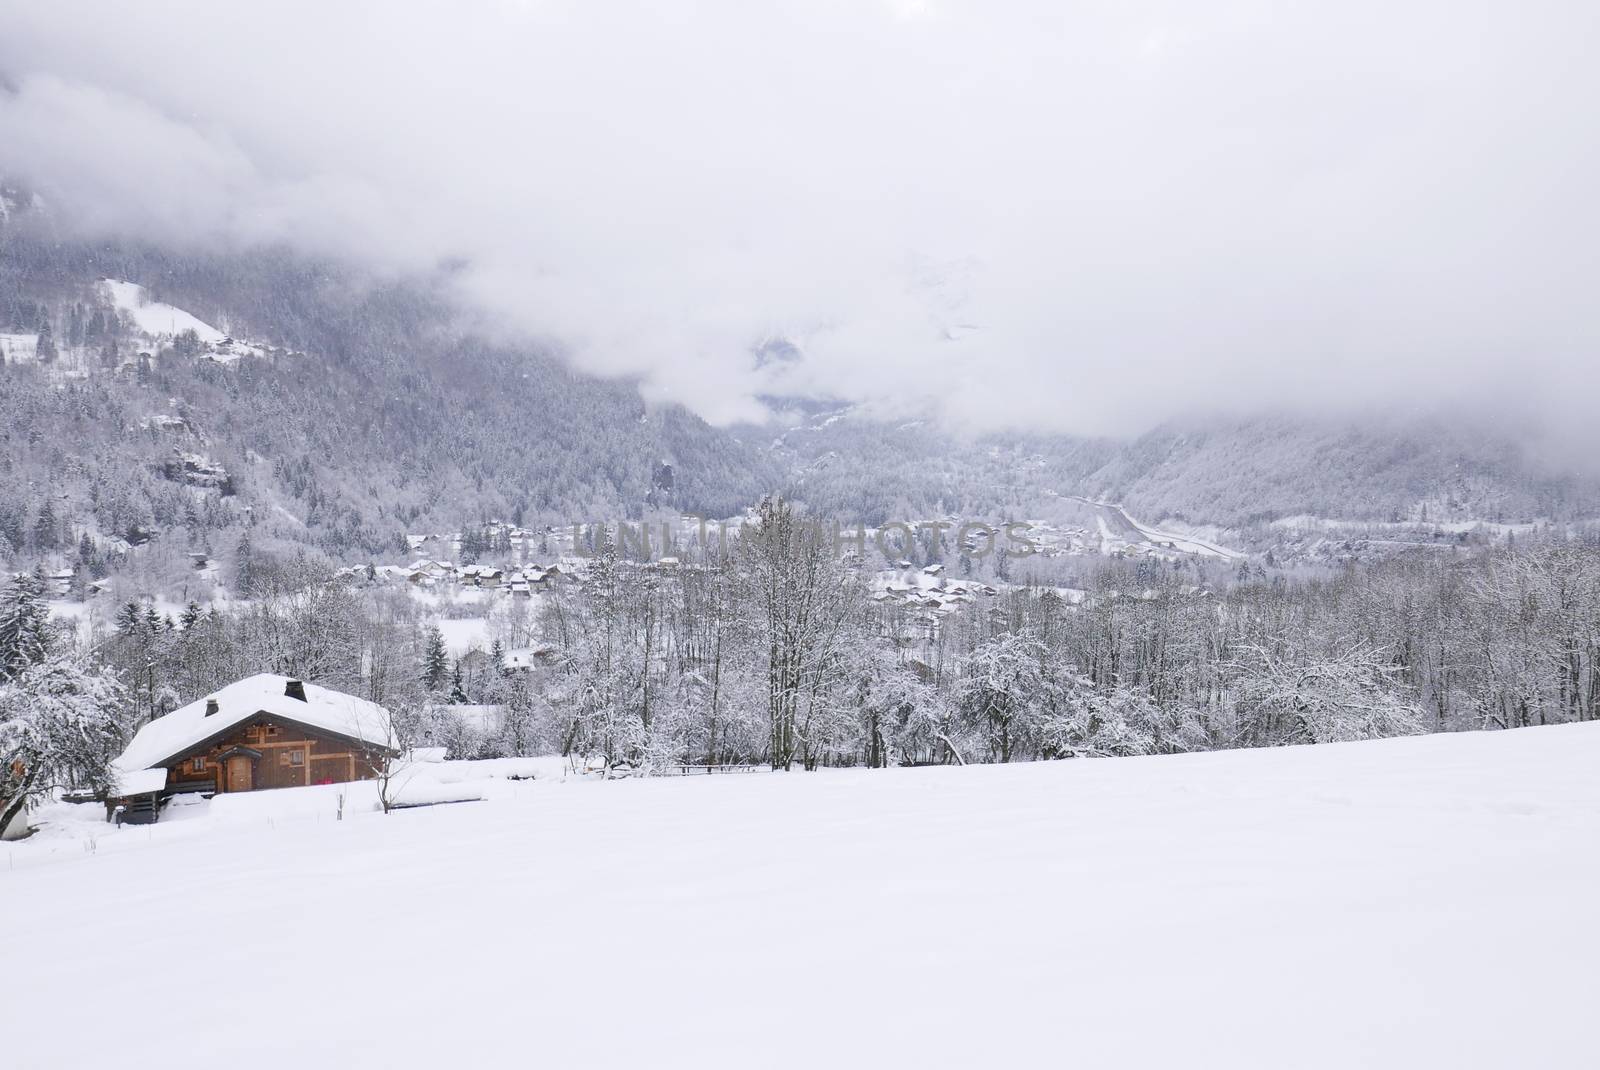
{"x":140,"y":781}
{"x":331,"y":711}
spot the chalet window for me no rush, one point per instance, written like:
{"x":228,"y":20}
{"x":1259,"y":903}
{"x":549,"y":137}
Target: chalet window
{"x":197,"y":765}
{"x":272,"y":729}
{"x":293,"y":757}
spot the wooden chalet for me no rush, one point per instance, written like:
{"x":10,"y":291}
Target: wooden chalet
{"x":266,"y":731}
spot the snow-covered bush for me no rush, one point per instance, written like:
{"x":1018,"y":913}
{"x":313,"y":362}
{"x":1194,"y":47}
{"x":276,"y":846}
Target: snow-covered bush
{"x":1303,"y":697}
{"x":1090,"y":724}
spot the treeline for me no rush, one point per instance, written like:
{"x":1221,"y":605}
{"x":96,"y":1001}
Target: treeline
{"x":775,"y":653}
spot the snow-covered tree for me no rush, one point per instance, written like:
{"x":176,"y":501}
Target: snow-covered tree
{"x":60,"y":727}
{"x":435,"y":659}
{"x":1002,"y":691}
{"x":26,"y":636}
{"x":802,"y":601}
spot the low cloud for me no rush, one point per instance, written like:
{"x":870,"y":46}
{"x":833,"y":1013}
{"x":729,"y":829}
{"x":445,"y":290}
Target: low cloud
{"x":1072,"y":217}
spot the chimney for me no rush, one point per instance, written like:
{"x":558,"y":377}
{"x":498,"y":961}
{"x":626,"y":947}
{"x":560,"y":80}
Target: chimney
{"x":295,"y":689}
{"x":211,"y":706}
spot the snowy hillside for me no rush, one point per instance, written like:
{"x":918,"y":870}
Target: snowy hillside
{"x":1410,"y":902}
{"x":315,"y":385}
{"x":154,"y":318}
{"x":1455,"y":467}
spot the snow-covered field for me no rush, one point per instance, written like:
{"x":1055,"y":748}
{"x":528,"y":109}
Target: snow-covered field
{"x":1416,"y":902}
{"x":465,"y":634}
{"x":153,"y":317}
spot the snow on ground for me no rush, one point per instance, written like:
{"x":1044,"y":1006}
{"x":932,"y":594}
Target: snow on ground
{"x":1414,"y":902}
{"x":67,"y":830}
{"x":101,"y":612}
{"x":478,"y":716}
{"x":1188,"y":544}
{"x":1185,"y":542}
{"x":462,"y":635}
{"x":155,"y":318}
{"x":284,"y":513}
{"x":19,"y":348}
{"x":83,"y":616}
{"x":1117,"y":529}
{"x":1108,"y":541}
{"x":450,"y":594}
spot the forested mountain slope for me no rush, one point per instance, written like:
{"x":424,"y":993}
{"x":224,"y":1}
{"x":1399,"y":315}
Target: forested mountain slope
{"x":1380,"y":467}
{"x":1232,"y":473}
{"x":363,"y":412}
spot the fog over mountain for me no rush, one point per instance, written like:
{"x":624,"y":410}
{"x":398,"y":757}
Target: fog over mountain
{"x":1086,"y":218}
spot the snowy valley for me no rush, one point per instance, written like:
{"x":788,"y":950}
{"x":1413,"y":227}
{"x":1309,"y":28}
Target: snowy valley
{"x":908,"y":533}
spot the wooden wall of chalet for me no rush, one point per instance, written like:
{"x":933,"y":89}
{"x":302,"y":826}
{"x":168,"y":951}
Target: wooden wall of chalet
{"x":290,"y":758}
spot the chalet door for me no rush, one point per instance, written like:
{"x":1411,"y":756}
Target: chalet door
{"x":239,"y":774}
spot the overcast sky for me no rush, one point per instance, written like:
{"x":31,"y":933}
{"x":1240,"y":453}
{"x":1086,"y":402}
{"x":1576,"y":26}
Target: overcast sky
{"x":1039,"y":214}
